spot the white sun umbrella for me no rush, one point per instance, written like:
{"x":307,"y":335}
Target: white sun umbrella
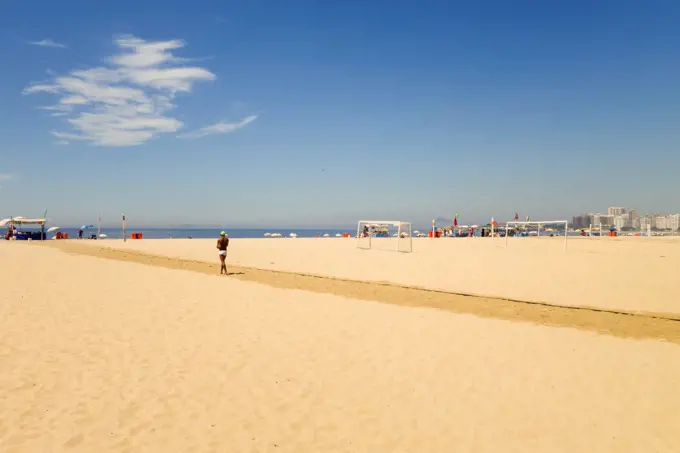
{"x":293,"y":235}
{"x":267,"y":235}
{"x":102,"y":236}
{"x":475,"y":226}
{"x":53,"y":229}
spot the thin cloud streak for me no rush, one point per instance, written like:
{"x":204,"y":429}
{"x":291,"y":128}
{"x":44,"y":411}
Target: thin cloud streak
{"x":48,"y":43}
{"x":218,"y":128}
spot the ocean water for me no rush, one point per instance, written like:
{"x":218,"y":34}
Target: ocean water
{"x":205,"y":233}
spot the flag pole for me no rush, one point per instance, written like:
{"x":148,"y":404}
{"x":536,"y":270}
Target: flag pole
{"x":99,"y":224}
{"x":42,"y":228}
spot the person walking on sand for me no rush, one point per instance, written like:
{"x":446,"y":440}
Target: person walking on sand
{"x":222,"y":244}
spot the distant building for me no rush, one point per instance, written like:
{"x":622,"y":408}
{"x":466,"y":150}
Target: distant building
{"x":647,"y":222}
{"x":614,"y":211}
{"x":607,"y":220}
{"x":635,"y":223}
{"x":674,"y":221}
{"x":620,"y":221}
{"x":662,"y":222}
{"x":578,"y":221}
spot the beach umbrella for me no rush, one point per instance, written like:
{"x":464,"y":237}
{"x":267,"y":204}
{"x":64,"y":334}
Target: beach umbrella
{"x":53,"y":229}
{"x":102,"y":236}
{"x":85,"y":227}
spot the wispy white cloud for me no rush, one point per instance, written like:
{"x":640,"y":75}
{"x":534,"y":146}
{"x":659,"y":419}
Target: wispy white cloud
{"x":48,"y":43}
{"x":5,"y":177}
{"x":219,"y":128}
{"x":40,"y":88}
{"x":126,"y":102}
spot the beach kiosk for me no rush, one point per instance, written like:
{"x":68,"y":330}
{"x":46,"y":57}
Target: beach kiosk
{"x":25,"y":235}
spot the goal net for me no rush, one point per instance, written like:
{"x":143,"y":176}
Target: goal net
{"x":541,"y":228}
{"x":384,"y":235}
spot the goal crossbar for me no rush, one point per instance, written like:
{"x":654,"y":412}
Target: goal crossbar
{"x":402,"y":228}
{"x":538,"y":223}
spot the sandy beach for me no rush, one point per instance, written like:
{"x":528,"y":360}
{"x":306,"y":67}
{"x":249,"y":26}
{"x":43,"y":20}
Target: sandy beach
{"x":627,"y":274}
{"x":110,"y":353}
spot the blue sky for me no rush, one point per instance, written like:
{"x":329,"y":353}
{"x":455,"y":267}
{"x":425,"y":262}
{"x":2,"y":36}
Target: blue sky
{"x":308,"y":113}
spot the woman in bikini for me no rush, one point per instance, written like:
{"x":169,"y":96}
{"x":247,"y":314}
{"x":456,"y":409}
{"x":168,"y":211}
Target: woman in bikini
{"x":222,"y":244}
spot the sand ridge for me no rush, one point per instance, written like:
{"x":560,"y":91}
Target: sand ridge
{"x":617,"y":323}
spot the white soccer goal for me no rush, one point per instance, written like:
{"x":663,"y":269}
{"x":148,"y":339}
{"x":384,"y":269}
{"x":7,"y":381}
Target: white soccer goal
{"x":539,"y":224}
{"x":594,"y":228}
{"x":396,"y":234}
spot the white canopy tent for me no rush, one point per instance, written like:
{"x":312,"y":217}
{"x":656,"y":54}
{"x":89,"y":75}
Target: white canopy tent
{"x":403,"y":232}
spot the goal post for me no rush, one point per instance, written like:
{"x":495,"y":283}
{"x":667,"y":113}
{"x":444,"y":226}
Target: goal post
{"x":385,"y":230}
{"x":538,"y":224}
{"x":597,"y":227}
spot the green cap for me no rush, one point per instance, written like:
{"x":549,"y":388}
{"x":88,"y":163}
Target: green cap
{"x":223,"y":233}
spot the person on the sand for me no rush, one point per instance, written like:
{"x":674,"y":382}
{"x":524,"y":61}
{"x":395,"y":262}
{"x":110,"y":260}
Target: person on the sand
{"x":222,"y":244}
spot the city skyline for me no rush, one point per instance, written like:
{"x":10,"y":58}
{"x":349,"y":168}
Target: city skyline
{"x":623,"y":218}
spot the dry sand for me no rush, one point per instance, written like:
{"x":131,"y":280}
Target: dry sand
{"x":622,"y":274}
{"x":104,"y":355}
{"x":621,"y":324}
